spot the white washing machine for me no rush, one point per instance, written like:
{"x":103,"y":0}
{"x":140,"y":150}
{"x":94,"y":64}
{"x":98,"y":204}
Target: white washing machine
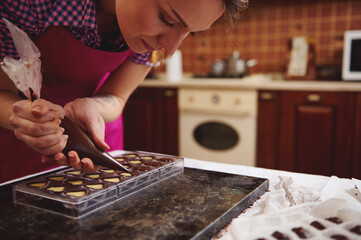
{"x":218,"y":125}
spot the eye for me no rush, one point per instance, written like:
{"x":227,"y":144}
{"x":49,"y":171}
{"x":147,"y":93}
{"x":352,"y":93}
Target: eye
{"x":165,"y":19}
{"x":196,"y":33}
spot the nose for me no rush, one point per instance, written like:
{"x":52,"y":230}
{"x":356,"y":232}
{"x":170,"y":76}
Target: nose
{"x":171,"y":40}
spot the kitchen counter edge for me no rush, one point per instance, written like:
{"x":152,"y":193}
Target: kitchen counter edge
{"x":255,"y":82}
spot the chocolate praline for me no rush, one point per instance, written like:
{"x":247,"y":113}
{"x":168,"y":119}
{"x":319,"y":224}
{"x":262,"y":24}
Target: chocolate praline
{"x":111,"y":180}
{"x":107,"y":170}
{"x":134,"y":162}
{"x":336,"y":220}
{"x":37,"y":184}
{"x":130,"y":155}
{"x":356,"y":229}
{"x":153,"y":163}
{"x":302,"y":233}
{"x":339,"y":237}
{"x":74,"y":172}
{"x":55,"y":189}
{"x":76,"y":193}
{"x":75,"y":182}
{"x":92,"y":175}
{"x":166,"y":159}
{"x":126,"y":175}
{"x":95,"y":186}
{"x":280,"y":236}
{"x":318,"y":225}
{"x":141,"y":168}
{"x":57,"y":177}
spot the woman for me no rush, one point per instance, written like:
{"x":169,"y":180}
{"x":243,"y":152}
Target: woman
{"x":94,"y":53}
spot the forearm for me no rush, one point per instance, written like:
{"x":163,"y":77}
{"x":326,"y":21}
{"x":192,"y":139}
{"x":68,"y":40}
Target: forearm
{"x":8,"y":96}
{"x":7,"y":99}
{"x":109,"y":106}
{"x":112,"y":96}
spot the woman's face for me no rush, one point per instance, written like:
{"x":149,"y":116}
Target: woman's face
{"x":163,"y":24}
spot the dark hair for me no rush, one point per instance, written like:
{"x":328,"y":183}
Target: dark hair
{"x":233,"y":9}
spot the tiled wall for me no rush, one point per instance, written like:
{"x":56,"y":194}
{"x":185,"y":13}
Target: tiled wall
{"x":263,"y":31}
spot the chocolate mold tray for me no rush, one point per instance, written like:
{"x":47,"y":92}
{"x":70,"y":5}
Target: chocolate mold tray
{"x":75,"y":193}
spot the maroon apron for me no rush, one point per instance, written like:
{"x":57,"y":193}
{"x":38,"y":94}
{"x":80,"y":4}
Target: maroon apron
{"x":70,"y":70}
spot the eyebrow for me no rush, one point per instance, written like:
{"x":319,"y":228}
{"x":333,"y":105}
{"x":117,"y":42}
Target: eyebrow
{"x":185,"y":25}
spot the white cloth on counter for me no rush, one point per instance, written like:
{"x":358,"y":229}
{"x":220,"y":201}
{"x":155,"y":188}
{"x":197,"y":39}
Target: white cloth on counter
{"x":292,"y":220}
{"x":290,"y":195}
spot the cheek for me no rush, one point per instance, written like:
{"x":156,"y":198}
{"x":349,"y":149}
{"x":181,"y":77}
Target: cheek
{"x":147,"y":24}
{"x":133,"y":24}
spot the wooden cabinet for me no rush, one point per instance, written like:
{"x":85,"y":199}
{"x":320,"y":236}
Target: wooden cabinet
{"x":317,"y":132}
{"x":357,"y":142}
{"x":151,"y":120}
{"x":268,"y":128}
{"x":309,"y":132}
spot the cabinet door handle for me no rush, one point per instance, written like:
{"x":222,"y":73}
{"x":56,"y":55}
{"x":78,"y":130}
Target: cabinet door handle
{"x":169,"y":93}
{"x":267,"y":96}
{"x":314,"y":98}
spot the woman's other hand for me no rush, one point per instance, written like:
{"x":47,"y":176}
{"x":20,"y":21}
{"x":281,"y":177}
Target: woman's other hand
{"x":74,"y":161}
{"x":37,"y":125}
{"x":84,"y":113}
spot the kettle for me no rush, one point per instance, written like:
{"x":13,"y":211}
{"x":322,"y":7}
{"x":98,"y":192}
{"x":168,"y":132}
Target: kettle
{"x":218,"y":68}
{"x":238,"y":67}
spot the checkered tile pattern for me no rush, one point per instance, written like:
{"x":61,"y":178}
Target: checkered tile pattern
{"x":264,"y":29}
{"x":78,"y":16}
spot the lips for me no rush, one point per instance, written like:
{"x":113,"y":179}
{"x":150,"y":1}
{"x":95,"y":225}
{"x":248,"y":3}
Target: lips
{"x":147,"y":46}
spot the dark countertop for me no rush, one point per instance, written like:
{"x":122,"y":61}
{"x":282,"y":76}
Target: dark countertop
{"x":195,"y":204}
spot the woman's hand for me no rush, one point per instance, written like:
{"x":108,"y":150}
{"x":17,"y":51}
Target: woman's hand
{"x":37,"y":125}
{"x":84,"y":113}
{"x":74,"y":161}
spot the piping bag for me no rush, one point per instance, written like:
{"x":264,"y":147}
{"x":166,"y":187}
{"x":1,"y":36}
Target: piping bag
{"x":26,"y":75}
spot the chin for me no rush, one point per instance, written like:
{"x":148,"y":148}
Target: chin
{"x":136,"y":46}
{"x":138,"y":50}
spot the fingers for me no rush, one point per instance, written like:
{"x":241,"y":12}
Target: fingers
{"x":97,"y":132}
{"x":43,"y":114}
{"x":38,"y":111}
{"x":88,"y":165}
{"x":61,"y":159}
{"x":45,"y":159}
{"x":37,"y":124}
{"x":46,"y":138}
{"x":46,"y":145}
{"x":99,"y":141}
{"x":84,"y":113}
{"x":36,"y":129}
{"x":74,"y":161}
{"x":41,"y":106}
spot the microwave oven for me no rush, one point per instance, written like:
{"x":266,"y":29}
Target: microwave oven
{"x":351,"y":63}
